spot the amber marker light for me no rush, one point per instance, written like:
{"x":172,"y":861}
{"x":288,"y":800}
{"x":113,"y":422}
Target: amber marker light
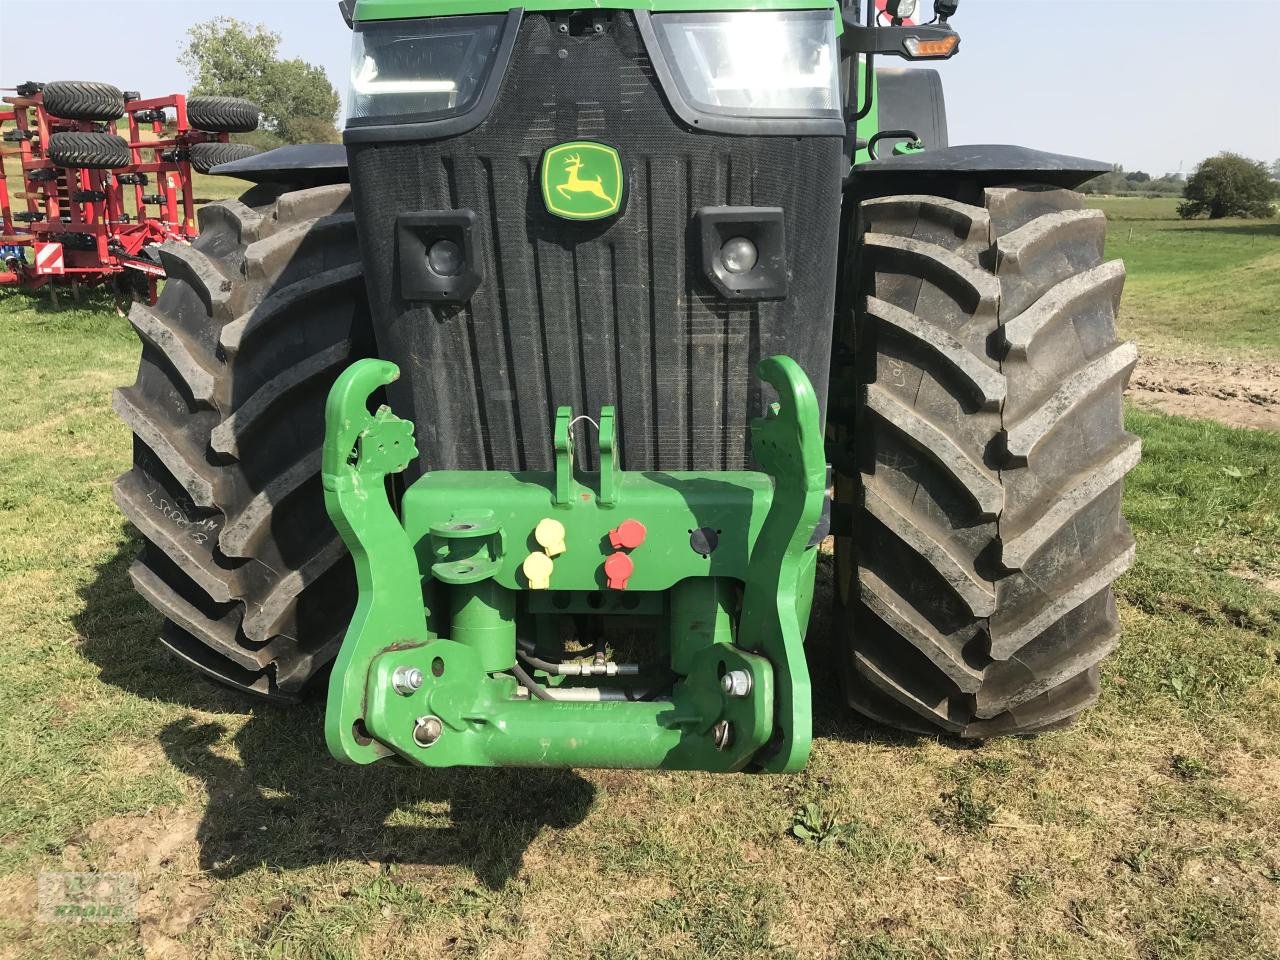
{"x":931,"y":49}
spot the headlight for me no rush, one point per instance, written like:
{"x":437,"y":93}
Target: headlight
{"x":409,"y":71}
{"x":760,"y":63}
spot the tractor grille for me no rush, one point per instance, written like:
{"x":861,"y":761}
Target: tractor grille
{"x":606,"y":312}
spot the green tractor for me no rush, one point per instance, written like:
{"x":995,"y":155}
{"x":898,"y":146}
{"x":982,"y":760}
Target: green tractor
{"x":523,"y":418}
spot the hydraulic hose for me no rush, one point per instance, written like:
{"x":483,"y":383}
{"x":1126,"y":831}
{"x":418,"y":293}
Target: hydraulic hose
{"x":535,"y":689}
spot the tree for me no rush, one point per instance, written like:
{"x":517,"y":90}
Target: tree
{"x":1275,"y":170}
{"x":1139,"y":176}
{"x":229,"y":58}
{"x":1106,"y":184}
{"x":1229,"y":185}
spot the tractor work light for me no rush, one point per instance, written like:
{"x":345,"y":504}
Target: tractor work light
{"x":436,"y":255}
{"x":407,"y":71}
{"x":739,"y":255}
{"x":744,"y":251}
{"x":944,"y":10}
{"x":901,"y":10}
{"x":758,"y":63}
{"x":444,"y":258}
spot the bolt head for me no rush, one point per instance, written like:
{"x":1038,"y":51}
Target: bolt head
{"x":427,"y":730}
{"x":722,"y":735}
{"x":736,"y":683}
{"x":407,"y":680}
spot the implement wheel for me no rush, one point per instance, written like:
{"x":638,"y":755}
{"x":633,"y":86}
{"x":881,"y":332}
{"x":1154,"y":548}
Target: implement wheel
{"x":990,"y":457}
{"x":257,"y":318}
{"x":93,"y":151}
{"x":206,"y":156}
{"x":222,"y":114}
{"x":83,"y":100}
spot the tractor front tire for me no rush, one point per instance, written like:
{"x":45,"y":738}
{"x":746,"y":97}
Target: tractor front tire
{"x":92,"y":151}
{"x":257,"y":318}
{"x":83,"y":100}
{"x":989,"y":460}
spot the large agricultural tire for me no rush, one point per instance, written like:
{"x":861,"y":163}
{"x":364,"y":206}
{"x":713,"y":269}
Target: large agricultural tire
{"x":83,"y":100}
{"x":94,"y":151}
{"x":990,"y":458}
{"x":222,"y":114}
{"x":206,"y":156}
{"x":256,"y":319}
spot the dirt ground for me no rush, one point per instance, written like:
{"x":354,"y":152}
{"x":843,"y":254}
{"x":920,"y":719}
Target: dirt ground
{"x":1234,"y":392}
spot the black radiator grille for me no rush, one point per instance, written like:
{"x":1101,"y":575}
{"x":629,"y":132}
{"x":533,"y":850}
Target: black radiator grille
{"x":606,"y":312}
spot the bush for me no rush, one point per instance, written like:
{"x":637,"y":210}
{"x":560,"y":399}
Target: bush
{"x":1229,"y":185}
{"x":261,"y":138}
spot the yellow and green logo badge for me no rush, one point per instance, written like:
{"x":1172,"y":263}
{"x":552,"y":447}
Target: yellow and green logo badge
{"x":582,"y":180}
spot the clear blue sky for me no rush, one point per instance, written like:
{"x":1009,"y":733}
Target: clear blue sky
{"x":1152,"y":84}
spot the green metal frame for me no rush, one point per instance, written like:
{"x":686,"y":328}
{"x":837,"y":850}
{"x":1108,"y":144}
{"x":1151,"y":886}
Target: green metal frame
{"x":442,"y":591}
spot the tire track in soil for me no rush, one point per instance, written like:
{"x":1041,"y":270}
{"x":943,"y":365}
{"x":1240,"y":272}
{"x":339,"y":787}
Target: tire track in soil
{"x":1234,"y":392}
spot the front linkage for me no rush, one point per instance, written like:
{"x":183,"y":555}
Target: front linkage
{"x":450,"y":658}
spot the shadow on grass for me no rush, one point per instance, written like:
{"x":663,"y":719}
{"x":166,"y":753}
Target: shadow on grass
{"x":833,"y":716}
{"x":275,"y":796}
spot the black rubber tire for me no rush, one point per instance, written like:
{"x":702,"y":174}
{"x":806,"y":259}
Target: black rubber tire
{"x":205,"y":156}
{"x":94,"y":151}
{"x":83,"y":100}
{"x":256,"y":319}
{"x":990,"y":458}
{"x":222,"y":114}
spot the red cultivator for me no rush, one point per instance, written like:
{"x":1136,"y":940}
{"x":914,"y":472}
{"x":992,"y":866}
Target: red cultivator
{"x":97,"y":203}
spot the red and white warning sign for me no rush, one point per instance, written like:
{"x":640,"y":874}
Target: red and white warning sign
{"x":49,"y":259}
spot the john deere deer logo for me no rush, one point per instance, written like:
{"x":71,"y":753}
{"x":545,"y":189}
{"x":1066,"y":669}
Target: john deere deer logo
{"x":582,"y":180}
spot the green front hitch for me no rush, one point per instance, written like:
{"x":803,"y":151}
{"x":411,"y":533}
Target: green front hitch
{"x":455,"y":654}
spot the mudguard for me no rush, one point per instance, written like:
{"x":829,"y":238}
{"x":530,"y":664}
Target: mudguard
{"x":300,"y":165}
{"x":988,"y":164}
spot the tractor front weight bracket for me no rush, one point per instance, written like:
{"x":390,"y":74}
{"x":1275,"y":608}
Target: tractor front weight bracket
{"x":455,"y":654}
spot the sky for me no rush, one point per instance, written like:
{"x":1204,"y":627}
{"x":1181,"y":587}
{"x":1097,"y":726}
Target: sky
{"x":1156,"y":85}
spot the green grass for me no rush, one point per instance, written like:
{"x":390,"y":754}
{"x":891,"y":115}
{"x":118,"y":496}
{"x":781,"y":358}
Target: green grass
{"x":1150,"y":830}
{"x":1196,"y":287}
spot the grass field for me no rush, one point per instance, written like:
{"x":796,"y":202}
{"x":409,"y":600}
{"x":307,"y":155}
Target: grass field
{"x":1150,"y":830}
{"x":1196,"y":287}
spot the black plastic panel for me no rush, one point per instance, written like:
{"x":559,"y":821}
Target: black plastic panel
{"x":615,"y":311}
{"x":302,"y":165}
{"x":988,"y":163}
